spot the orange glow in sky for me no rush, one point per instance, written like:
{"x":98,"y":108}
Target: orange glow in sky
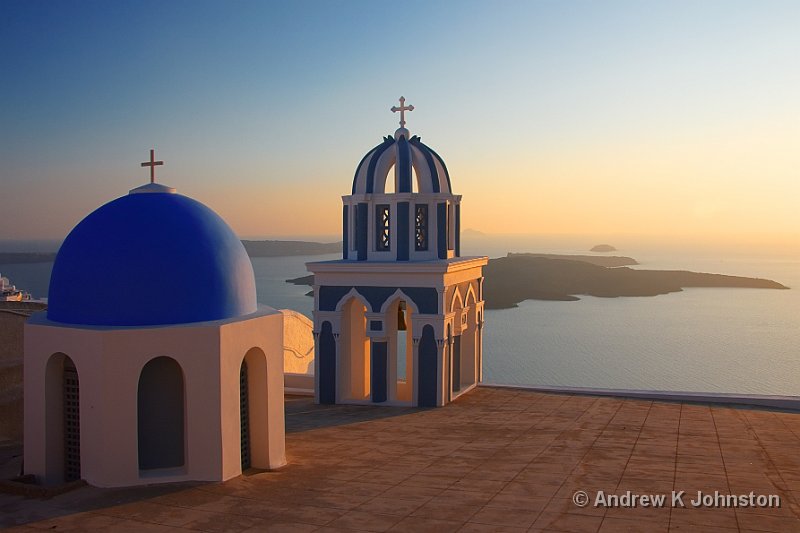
{"x":679,"y":120}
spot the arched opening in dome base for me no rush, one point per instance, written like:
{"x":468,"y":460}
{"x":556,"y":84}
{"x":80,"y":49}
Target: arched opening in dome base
{"x":63,"y":431}
{"x":253,"y":410}
{"x":161,"y":416}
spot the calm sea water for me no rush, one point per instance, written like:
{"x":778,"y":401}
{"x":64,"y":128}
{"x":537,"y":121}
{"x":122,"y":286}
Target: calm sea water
{"x":699,"y":340}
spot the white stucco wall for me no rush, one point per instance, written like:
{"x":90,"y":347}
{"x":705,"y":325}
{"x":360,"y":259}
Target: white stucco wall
{"x":298,"y":343}
{"x":109,"y":362}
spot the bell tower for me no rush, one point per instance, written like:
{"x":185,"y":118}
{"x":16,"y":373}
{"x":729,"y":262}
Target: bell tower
{"x":398,"y":320}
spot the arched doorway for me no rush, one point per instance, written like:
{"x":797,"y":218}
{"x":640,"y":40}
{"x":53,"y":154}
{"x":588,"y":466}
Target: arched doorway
{"x":62,"y":397}
{"x":469,"y":343}
{"x":355,"y":361}
{"x":161,"y":415}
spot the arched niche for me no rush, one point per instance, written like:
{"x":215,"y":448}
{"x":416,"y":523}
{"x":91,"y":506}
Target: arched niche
{"x":161,"y":415}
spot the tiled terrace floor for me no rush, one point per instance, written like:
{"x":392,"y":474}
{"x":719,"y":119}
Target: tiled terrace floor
{"x":495,"y":460}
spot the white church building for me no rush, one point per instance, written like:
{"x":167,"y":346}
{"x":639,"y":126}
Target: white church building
{"x":153,"y":361}
{"x":398,"y":320}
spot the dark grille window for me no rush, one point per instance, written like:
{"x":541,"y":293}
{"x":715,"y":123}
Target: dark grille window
{"x":383,"y":231}
{"x":244,"y":414}
{"x":72,"y":424}
{"x":421,"y":227}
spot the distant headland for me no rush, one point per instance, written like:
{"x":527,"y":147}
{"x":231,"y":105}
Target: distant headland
{"x":14,"y":258}
{"x":512,"y":279}
{"x":254,"y":249}
{"x":290,"y":248}
{"x":531,"y":276}
{"x":603,"y":260}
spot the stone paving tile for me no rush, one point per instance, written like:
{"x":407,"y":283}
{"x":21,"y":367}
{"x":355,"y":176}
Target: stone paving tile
{"x":644,"y":515}
{"x":366,"y":521}
{"x":78,"y":522}
{"x":495,"y":460}
{"x":283,"y":527}
{"x":445,"y":510}
{"x":308,"y":514}
{"x":146,"y":511}
{"x":764,"y":522}
{"x":223,"y":522}
{"x":624,"y":525}
{"x":419,"y":524}
{"x":553,"y":521}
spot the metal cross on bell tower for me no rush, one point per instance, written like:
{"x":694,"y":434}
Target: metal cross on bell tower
{"x":152,"y":164}
{"x":403,"y":108}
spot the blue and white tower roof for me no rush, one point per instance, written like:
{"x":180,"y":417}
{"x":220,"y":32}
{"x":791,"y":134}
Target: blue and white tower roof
{"x":418,"y":219}
{"x":406,"y":153}
{"x":153,"y":257}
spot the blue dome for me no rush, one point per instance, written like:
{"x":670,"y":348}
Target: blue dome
{"x":151,"y":259}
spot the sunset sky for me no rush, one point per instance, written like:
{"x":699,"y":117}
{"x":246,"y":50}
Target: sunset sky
{"x":670,"y":119}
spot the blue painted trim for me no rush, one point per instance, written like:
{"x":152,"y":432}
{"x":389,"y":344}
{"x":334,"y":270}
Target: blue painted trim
{"x":360,"y":164}
{"x":380,"y":374}
{"x":458,"y":230}
{"x":374,"y":161}
{"x":403,"y":165}
{"x":428,"y":159}
{"x":441,"y":161}
{"x":345,"y":231}
{"x":403,"y":231}
{"x":425,"y":298}
{"x":428,"y":369}
{"x":362,"y":219}
{"x":327,"y":365}
{"x":441,"y":229}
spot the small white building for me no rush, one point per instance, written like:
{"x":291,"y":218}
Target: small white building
{"x":398,"y":320}
{"x":153,"y":362}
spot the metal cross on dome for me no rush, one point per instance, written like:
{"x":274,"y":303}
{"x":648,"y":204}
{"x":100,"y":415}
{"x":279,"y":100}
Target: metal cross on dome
{"x":403,"y":108}
{"x":152,"y":164}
